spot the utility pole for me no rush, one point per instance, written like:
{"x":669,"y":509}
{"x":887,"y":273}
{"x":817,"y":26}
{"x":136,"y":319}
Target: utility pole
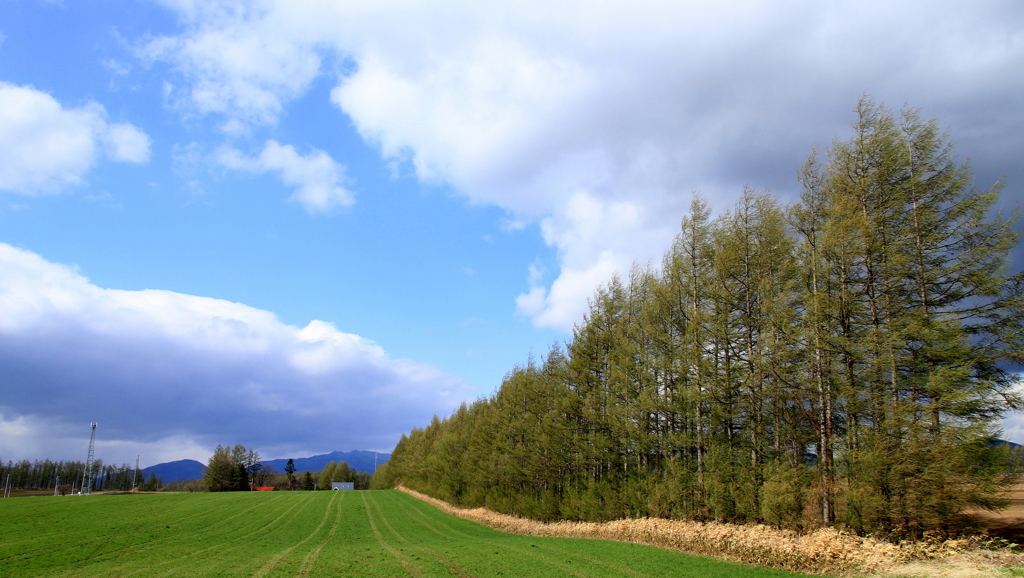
{"x":87,"y":475}
{"x":7,"y":484}
{"x":136,"y":472}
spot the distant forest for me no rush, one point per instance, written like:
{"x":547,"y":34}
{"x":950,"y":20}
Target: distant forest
{"x":841,"y":361}
{"x":47,"y":474}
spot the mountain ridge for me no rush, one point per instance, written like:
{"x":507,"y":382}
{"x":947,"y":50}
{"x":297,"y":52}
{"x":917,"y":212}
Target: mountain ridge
{"x":361,"y":460}
{"x":179,"y":470}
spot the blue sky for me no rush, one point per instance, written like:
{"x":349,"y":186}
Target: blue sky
{"x":308,"y":226}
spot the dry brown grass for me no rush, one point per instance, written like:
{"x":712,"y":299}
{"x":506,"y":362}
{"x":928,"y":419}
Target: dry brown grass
{"x":826,"y":551}
{"x":28,"y":493}
{"x":1007,"y":523}
{"x":960,"y":566}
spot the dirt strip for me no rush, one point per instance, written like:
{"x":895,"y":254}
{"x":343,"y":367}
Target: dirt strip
{"x":826,"y":551}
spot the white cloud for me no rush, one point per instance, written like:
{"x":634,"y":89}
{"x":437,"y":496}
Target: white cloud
{"x":317,"y":178}
{"x":36,"y":437}
{"x":45,"y":147}
{"x":117,"y":68}
{"x":537,"y":106}
{"x":1013,"y":428}
{"x":167,"y":372}
{"x":241,"y":61}
{"x":126,"y":143}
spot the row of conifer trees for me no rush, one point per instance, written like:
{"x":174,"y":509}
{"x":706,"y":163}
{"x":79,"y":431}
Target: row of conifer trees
{"x":843,"y":360}
{"x":48,"y":474}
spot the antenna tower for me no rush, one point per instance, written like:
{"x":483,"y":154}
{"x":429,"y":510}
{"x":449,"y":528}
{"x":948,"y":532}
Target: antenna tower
{"x":87,"y":476}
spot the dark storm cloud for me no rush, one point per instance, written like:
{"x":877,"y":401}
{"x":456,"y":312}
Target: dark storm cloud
{"x":572,"y":113}
{"x":153,"y":366}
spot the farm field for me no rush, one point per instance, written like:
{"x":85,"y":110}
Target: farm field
{"x":363,"y":533}
{"x":1008,"y":523}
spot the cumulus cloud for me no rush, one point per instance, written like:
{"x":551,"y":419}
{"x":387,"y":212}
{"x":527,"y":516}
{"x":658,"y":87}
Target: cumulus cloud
{"x":317,"y":178}
{"x":173,"y":375}
{"x":45,"y":147}
{"x":559,"y":112}
{"x":241,"y":60}
{"x":126,"y":143}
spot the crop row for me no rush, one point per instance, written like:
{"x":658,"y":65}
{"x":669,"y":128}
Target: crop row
{"x":305,"y":534}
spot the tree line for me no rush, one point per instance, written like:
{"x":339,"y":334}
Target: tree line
{"x":340,"y":472}
{"x":240,"y":469}
{"x":233,"y":469}
{"x":230,"y":469}
{"x":47,"y":474}
{"x":842,"y":360}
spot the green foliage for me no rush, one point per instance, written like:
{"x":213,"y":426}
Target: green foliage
{"x":845,"y":360}
{"x":342,"y":473}
{"x":326,"y":476}
{"x":231,"y":469}
{"x":153,"y":484}
{"x":783,"y":494}
{"x":382,"y":478}
{"x":307,"y":482}
{"x":49,"y":474}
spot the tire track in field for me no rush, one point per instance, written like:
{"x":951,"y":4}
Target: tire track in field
{"x":527,"y":553}
{"x":138,"y":548}
{"x":595,"y":561}
{"x":419,"y":517}
{"x":269,"y":565}
{"x":65,"y":545}
{"x":119,"y":552}
{"x":458,"y":570}
{"x":307,"y":562}
{"x":152,"y":544}
{"x":409,"y":567}
{"x":67,"y":533}
{"x":262,"y":529}
{"x":225,"y":543}
{"x":224,"y":507}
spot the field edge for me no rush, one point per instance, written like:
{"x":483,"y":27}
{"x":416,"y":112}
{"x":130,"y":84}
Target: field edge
{"x":826,"y":551}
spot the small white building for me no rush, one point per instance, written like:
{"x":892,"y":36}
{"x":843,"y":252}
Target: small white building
{"x":343,"y":486}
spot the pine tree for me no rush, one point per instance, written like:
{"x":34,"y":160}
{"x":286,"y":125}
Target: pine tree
{"x":218,"y":476}
{"x":342,"y":473}
{"x":326,"y":476}
{"x":289,"y":470}
{"x":848,"y":364}
{"x":680,"y":329}
{"x":929,"y":312}
{"x":153,"y":484}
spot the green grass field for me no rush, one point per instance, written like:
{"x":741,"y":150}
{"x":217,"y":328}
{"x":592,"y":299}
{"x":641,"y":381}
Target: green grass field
{"x":364,"y":533}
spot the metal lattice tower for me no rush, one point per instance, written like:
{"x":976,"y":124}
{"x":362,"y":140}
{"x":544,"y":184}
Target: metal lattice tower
{"x":87,"y":475}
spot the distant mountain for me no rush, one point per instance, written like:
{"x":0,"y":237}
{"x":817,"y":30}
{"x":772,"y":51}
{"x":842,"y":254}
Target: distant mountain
{"x":192,"y":470}
{"x":175,"y":471}
{"x":1012,"y":445}
{"x":359,"y":459}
